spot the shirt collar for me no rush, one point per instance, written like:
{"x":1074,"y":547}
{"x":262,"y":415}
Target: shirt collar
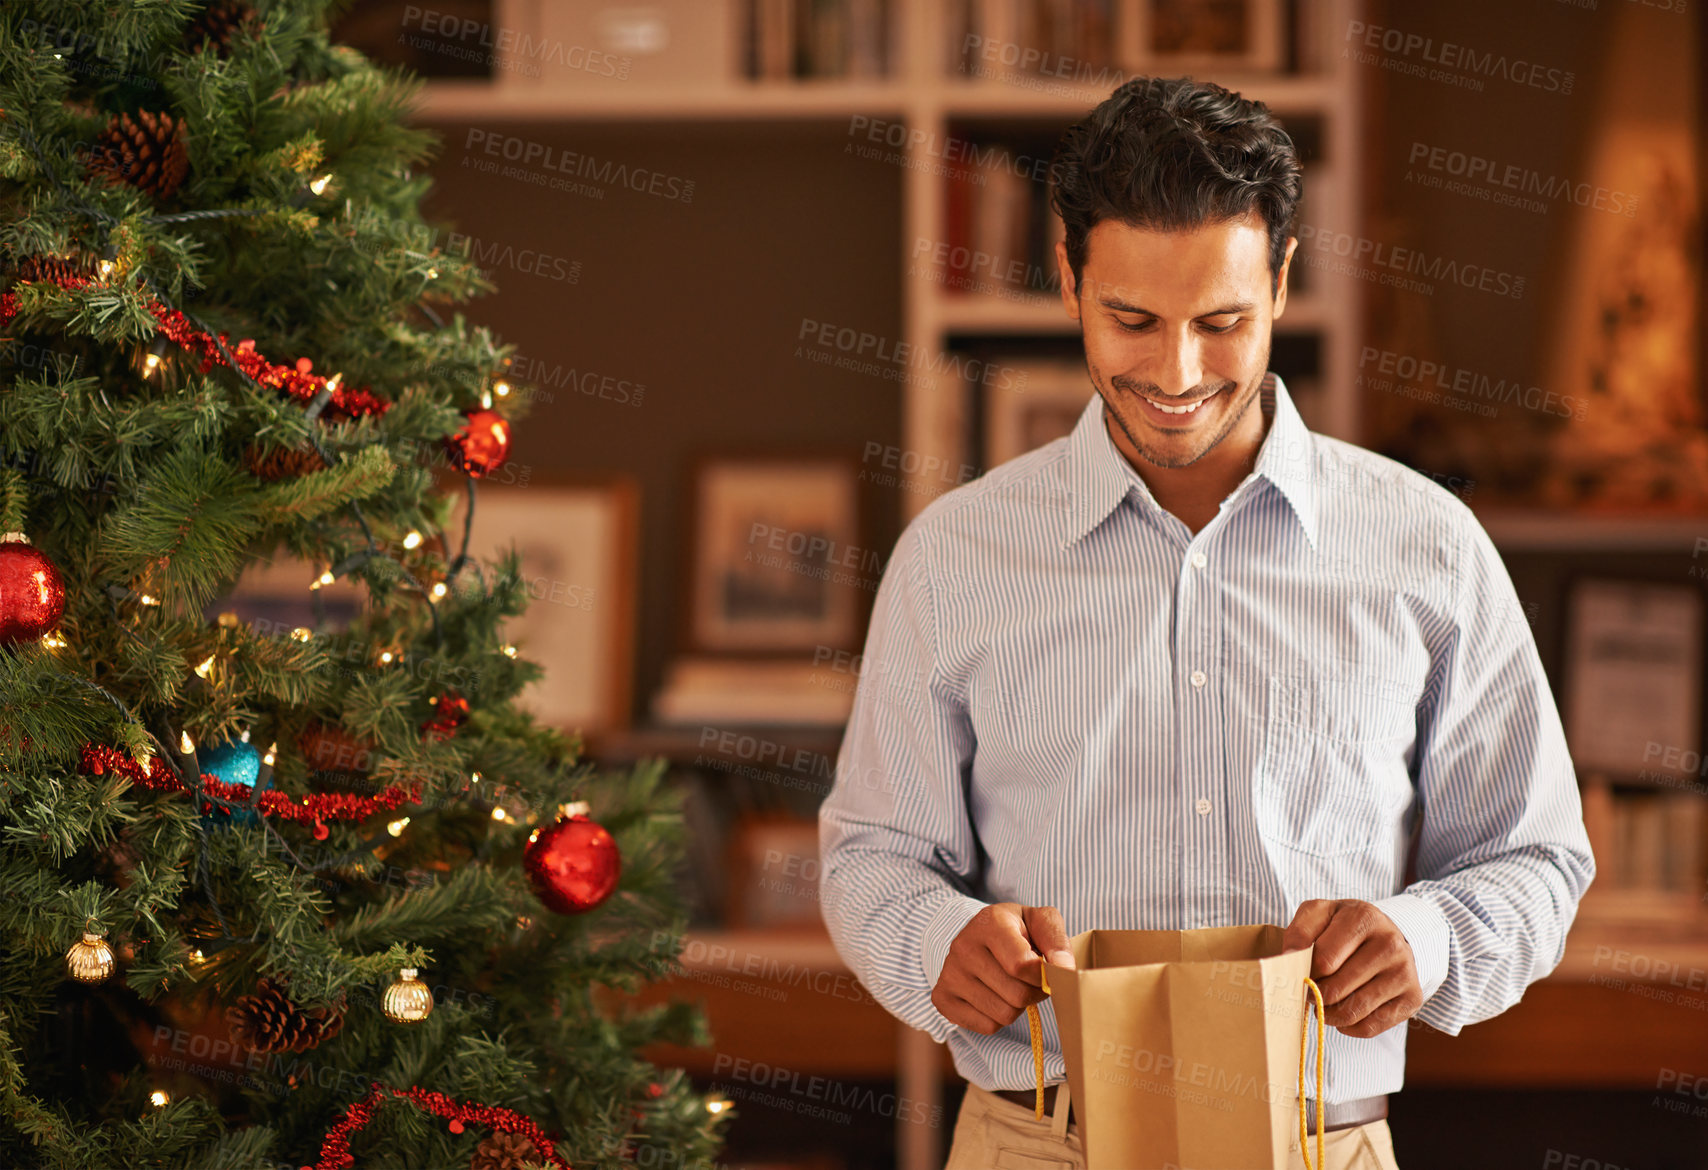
{"x":1101,"y":477}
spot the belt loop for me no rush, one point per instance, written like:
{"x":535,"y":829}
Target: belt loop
{"x":1059,"y":1122}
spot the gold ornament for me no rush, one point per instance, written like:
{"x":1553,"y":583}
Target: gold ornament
{"x":91,"y":960}
{"x":408,"y":1000}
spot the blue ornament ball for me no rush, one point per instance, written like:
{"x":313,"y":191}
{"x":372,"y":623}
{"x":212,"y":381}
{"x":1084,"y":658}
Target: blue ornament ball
{"x":234,"y":762}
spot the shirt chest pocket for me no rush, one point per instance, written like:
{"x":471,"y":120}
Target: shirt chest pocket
{"x":1333,"y":777}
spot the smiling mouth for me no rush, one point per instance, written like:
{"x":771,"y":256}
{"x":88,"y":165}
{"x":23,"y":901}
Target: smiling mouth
{"x":1187,"y":409}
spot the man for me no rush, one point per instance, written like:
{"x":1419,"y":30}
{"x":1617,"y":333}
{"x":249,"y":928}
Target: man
{"x":1196,"y":666}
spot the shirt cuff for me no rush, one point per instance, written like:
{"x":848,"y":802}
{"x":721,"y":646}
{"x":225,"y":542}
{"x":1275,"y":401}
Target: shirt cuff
{"x":950,"y":919}
{"x":1428,"y":932}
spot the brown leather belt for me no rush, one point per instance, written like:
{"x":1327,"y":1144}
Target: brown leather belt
{"x":1336,"y":1115}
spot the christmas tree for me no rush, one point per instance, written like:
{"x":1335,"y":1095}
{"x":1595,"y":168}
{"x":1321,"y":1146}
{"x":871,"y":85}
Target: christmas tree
{"x":317,"y":895}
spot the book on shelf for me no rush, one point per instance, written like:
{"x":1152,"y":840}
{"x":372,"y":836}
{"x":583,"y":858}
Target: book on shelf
{"x":758,"y":690}
{"x":1065,"y":42}
{"x":999,"y":231}
{"x":789,"y":39}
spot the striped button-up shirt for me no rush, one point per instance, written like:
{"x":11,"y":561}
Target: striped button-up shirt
{"x":1068,"y":699}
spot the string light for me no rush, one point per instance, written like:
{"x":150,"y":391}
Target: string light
{"x":439,"y":590}
{"x":574,"y":808}
{"x":185,"y":743}
{"x":396,"y":827}
{"x":498,"y":814}
{"x":717,"y":1106}
{"x":272,"y":752}
{"x":53,"y":640}
{"x":413,"y":540}
{"x":155,"y":355}
{"x":324,"y":579}
{"x":509,"y":650}
{"x":197,"y":958}
{"x":159,"y":1098}
{"x":301,"y":634}
{"x":385,"y":657}
{"x":105,"y":268}
{"x":486,"y":400}
{"x":148,"y":599}
{"x":206,"y":667}
{"x":319,"y":185}
{"x":501,"y":388}
{"x":432,"y":274}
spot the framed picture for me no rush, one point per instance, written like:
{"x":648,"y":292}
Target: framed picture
{"x":577,"y":542}
{"x":1191,"y":35}
{"x":777,"y":561}
{"x":1633,"y":674}
{"x":1018,"y":421}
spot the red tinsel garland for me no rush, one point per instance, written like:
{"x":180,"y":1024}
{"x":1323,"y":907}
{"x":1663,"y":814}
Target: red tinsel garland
{"x":317,"y":807}
{"x":294,"y":380}
{"x":335,"y":1149}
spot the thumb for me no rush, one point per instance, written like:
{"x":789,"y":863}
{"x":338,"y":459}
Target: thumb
{"x":1048,"y":934}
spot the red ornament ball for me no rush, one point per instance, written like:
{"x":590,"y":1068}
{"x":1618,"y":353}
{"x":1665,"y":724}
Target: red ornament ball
{"x":449,"y":713}
{"x":481,"y":445}
{"x":32,"y":593}
{"x":573,"y":864}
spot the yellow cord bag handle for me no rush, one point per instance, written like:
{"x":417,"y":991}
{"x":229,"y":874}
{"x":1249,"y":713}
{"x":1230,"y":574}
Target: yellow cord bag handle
{"x":1035,"y":1025}
{"x":1304,"y":1035}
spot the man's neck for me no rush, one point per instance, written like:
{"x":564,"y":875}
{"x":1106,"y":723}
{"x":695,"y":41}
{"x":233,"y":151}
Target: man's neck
{"x":1195,"y":493}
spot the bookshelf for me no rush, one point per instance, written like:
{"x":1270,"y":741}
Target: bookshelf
{"x":920,"y":101}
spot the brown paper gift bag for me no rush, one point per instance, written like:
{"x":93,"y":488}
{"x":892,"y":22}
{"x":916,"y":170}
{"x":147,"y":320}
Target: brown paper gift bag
{"x":1185,"y":1049}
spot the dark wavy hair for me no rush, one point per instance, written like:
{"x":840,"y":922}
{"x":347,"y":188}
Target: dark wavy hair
{"x":1175,"y":154}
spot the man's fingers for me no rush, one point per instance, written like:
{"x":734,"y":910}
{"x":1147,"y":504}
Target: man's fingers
{"x":1382,"y":988}
{"x":1308,"y":922}
{"x":1017,"y":993}
{"x":1350,"y":923}
{"x":1012,"y":948}
{"x":1376,"y":955}
{"x":1048,"y":933}
{"x":962,"y":1014}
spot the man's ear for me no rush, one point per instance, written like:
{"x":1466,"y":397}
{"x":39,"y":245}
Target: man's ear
{"x":1070,"y":295}
{"x":1281,"y":277}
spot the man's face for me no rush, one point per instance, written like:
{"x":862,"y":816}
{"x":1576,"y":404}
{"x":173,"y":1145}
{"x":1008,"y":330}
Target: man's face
{"x":1177,"y":328}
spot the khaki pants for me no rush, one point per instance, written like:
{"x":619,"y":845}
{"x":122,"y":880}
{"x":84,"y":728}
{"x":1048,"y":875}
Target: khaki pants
{"x":995,"y":1134}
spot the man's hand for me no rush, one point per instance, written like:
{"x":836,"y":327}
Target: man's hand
{"x":993,"y":970}
{"x":1363,"y":965}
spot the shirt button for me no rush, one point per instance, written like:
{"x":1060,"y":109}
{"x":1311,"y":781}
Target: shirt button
{"x":1199,"y":560}
{"x":1198,"y":678}
{"x":1203,"y":807}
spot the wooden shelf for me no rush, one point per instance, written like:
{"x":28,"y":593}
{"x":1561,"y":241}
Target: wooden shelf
{"x":742,"y":100}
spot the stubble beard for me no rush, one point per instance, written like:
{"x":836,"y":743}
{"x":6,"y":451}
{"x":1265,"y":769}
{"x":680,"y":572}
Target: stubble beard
{"x":1159,"y":458}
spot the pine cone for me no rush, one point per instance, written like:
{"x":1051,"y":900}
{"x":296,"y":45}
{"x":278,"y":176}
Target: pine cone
{"x":268,"y":1021}
{"x":147,"y":151}
{"x":218,"y":23}
{"x":503,"y":1151}
{"x":280,"y":462}
{"x":54,"y":268}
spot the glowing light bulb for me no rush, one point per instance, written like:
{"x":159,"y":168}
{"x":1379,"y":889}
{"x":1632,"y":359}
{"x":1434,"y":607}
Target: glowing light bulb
{"x":319,"y":185}
{"x":301,"y":634}
{"x":396,"y":827}
{"x":509,"y":651}
{"x":159,"y":1098}
{"x":498,"y":814}
{"x":150,"y":363}
{"x":501,"y":388}
{"x":53,"y":641}
{"x":185,"y":743}
{"x":432,"y":274}
{"x":105,"y":268}
{"x":439,"y":590}
{"x":385,"y":657}
{"x":413,"y":540}
{"x":197,"y":958}
{"x":486,"y":400}
{"x":148,"y":599}
{"x":717,"y":1106}
{"x":272,"y":753}
{"x":206,"y":667}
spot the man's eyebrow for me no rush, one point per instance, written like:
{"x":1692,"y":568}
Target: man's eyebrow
{"x":1121,"y":306}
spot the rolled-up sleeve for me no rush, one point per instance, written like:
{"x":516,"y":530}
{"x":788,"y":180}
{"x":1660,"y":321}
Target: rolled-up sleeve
{"x":1503,"y":857}
{"x":898,"y":850}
